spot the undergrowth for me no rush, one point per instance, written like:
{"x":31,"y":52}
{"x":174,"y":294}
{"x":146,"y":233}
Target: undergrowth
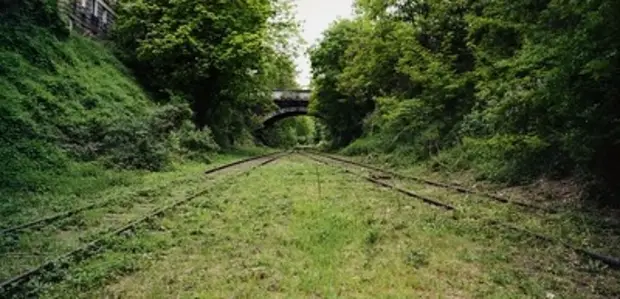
{"x":69,"y":109}
{"x":512,"y":90}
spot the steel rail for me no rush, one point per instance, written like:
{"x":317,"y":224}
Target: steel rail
{"x":612,"y":262}
{"x":439,"y":184}
{"x":67,"y":214}
{"x":12,"y":285}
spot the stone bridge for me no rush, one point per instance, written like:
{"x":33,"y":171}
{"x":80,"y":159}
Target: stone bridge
{"x":290,"y":103}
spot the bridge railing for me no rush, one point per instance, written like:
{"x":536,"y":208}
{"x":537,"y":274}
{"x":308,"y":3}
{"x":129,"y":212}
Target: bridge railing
{"x":280,"y":95}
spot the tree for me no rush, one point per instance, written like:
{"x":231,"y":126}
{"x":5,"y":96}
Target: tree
{"x":342,"y":112}
{"x":522,"y":88}
{"x":219,"y":55}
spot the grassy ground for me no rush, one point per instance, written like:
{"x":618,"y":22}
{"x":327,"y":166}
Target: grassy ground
{"x":576,"y":222}
{"x":296,"y":229}
{"x":91,"y":183}
{"x":117,"y":205}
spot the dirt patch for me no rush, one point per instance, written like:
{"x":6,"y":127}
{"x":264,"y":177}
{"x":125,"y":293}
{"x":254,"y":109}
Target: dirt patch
{"x":557,"y":193}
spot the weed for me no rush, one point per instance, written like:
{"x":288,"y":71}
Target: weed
{"x":266,"y":235}
{"x":417,"y":259}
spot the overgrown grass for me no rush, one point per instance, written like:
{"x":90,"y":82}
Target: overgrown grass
{"x":58,"y":95}
{"x":89,"y":184}
{"x":296,"y":229}
{"x":116,"y":206}
{"x":568,"y":223}
{"x":509,"y":159}
{"x":70,"y":111}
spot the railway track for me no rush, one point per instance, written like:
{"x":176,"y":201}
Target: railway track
{"x":24,"y":283}
{"x":452,"y":187}
{"x":66,"y":214}
{"x":610,"y":261}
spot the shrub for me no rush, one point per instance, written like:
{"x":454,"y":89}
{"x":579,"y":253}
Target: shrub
{"x":363,"y":146}
{"x":147,"y":143}
{"x":171,"y":117}
{"x":133,"y":145}
{"x":26,"y":162}
{"x":196,"y":140}
{"x":509,"y":158}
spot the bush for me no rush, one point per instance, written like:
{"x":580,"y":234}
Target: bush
{"x":198,"y":140}
{"x":148,"y":143}
{"x":25,"y":162}
{"x":505,"y":158}
{"x":363,"y":146}
{"x":40,"y":12}
{"x":133,"y":145}
{"x":171,"y":117}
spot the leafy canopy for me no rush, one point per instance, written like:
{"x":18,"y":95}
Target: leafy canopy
{"x":520,"y":87}
{"x":224,"y":57}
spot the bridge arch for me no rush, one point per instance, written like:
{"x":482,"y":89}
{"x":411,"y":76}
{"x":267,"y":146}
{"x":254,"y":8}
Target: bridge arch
{"x":290,"y":103}
{"x":283,"y":113}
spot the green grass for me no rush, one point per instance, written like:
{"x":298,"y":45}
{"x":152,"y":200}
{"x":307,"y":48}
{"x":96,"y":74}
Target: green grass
{"x":587,"y":228}
{"x":118,"y":205}
{"x":296,"y":229}
{"x":91,"y":184}
{"x":58,"y":97}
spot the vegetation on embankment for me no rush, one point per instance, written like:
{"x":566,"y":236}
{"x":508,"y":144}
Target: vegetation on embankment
{"x":69,"y":110}
{"x":509,"y":89}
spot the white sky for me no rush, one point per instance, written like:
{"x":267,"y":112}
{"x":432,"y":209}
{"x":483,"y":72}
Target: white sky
{"x":315,"y":16}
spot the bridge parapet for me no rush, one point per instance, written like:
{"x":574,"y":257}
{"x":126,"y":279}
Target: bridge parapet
{"x":291,"y":95}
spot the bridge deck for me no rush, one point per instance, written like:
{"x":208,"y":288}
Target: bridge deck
{"x":291,"y":95}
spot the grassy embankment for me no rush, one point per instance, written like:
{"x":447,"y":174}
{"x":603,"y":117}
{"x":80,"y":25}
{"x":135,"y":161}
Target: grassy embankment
{"x":77,"y":128}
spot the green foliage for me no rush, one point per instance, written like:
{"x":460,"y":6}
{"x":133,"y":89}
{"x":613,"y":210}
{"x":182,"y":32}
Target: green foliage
{"x":521,"y":88}
{"x":197,"y":140}
{"x":26,"y":162}
{"x":342,"y":114}
{"x":193,"y":143}
{"x":515,"y":159}
{"x":290,"y":132}
{"x":363,"y":147}
{"x":37,"y":12}
{"x":57,"y":95}
{"x":224,"y":57}
{"x":67,"y":98}
{"x":134,"y":145}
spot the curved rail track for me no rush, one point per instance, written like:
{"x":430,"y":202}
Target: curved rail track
{"x":612,"y":262}
{"x":18,"y":284}
{"x":63,"y":215}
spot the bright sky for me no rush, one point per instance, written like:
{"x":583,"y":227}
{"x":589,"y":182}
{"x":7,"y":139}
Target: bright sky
{"x":316,"y":15}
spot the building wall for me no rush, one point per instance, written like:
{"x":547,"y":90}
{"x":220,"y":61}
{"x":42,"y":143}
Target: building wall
{"x":92,"y":17}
